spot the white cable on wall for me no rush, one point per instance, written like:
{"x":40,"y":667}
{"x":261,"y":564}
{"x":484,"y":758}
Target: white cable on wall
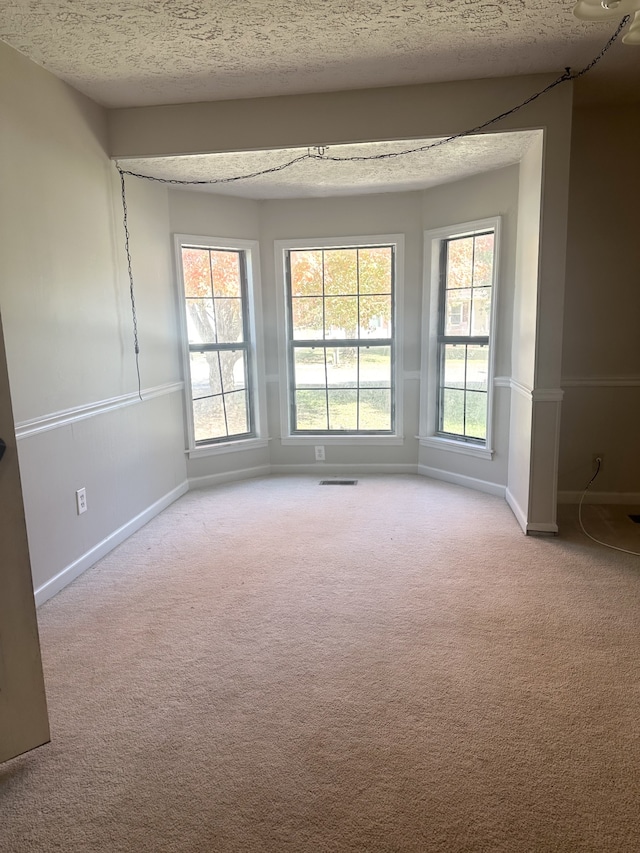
{"x":593,"y":538}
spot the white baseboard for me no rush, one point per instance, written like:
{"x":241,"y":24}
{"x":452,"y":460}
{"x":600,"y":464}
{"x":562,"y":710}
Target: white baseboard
{"x":462,"y":480}
{"x":516,"y":509}
{"x":344,"y":469}
{"x":542,"y":527}
{"x":71,"y":572}
{"x":599,"y":497}
{"x":528,"y":526}
{"x":229,"y":477}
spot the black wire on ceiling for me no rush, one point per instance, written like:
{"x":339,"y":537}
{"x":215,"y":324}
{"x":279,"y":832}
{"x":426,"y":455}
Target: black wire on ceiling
{"x":319,"y":153}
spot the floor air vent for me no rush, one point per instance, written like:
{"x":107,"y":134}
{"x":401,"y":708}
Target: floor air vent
{"x":338,"y":482}
{"x":635,"y":518}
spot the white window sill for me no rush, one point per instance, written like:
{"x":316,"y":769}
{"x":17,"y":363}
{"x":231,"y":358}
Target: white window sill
{"x":227,"y":447}
{"x":453,"y":446}
{"x":335,"y":440}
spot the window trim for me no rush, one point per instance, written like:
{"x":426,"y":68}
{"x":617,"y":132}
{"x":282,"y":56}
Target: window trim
{"x":285,"y":373}
{"x":430,"y":368}
{"x":256,"y":381}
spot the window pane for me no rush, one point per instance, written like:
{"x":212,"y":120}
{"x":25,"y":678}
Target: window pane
{"x":208,"y":419}
{"x":348,"y":297}
{"x":237,"y":415}
{"x":341,"y":317}
{"x":306,"y":273}
{"x":309,"y":367}
{"x":342,"y":367}
{"x":452,"y":413}
{"x":343,"y":409}
{"x":229,"y":320}
{"x":375,"y":270}
{"x":197,"y":273}
{"x":201,"y":324}
{"x":375,"y":367}
{"x":232,"y":366}
{"x":477,"y":368}
{"x":476,"y":415}
{"x":454,"y":365}
{"x":460,"y":262}
{"x":481,"y":311}
{"x":457,"y":312}
{"x":483,"y":261}
{"x":311,"y":410}
{"x":225,"y":267}
{"x":340,"y":271}
{"x":307,"y":318}
{"x":464,"y":368}
{"x":375,"y":316}
{"x":375,"y":409}
{"x":205,"y":374}
{"x":215,"y":291}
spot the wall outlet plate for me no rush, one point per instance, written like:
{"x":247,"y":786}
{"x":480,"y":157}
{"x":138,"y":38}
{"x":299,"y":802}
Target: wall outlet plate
{"x":319,"y":452}
{"x":81,"y":500}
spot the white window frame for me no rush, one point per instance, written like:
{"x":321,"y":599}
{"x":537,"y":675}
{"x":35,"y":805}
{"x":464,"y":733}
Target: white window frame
{"x":251,"y":252}
{"x":428,"y":436}
{"x":280,"y":249}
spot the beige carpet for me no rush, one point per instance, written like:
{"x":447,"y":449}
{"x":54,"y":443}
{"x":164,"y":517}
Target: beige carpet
{"x":278,"y":666}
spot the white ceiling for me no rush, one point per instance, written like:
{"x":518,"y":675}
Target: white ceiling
{"x":139,"y":52}
{"x":324,"y":177}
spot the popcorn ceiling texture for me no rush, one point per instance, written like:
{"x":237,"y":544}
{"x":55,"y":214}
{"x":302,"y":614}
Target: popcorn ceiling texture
{"x":458,"y":159}
{"x":139,"y":52}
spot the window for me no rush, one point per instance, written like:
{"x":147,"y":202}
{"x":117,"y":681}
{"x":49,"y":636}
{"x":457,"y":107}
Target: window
{"x":219,"y":333}
{"x":459,"y":363}
{"x":340,"y":337}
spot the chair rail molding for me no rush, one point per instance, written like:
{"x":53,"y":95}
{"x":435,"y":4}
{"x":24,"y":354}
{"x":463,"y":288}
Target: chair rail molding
{"x":25,"y":429}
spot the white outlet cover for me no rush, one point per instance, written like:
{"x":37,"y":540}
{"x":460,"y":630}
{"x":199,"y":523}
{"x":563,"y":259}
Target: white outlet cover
{"x":81,"y":501}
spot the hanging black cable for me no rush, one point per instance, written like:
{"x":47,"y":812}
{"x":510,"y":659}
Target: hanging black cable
{"x":321,"y":155}
{"x":134,"y":316}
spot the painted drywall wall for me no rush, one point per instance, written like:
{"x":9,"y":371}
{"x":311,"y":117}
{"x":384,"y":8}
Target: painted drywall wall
{"x":407,"y":213}
{"x":400,"y":113}
{"x":482,"y":196}
{"x":601,"y":351}
{"x":208,"y":214}
{"x":68,"y":327}
{"x":205,"y":214}
{"x":387,"y":213}
{"x":525,"y":314}
{"x":330,"y":118}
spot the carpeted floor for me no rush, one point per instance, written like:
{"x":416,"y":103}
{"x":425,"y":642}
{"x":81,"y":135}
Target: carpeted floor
{"x":276,"y":666}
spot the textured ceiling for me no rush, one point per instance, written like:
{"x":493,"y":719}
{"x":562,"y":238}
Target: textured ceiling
{"x":139,"y":52}
{"x":323,"y":177}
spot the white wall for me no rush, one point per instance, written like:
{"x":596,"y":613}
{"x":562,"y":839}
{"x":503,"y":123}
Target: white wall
{"x":480,"y":197}
{"x":206,"y":214}
{"x":353,"y":216}
{"x":601,"y":353}
{"x":524,"y":331}
{"x":331,"y":118}
{"x":405,"y":112}
{"x":65,"y":307}
{"x":64,"y":289}
{"x":408,"y":213}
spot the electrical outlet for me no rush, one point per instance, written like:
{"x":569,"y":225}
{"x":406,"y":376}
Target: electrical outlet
{"x":81,"y":500}
{"x":594,"y":460}
{"x":319,"y":452}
